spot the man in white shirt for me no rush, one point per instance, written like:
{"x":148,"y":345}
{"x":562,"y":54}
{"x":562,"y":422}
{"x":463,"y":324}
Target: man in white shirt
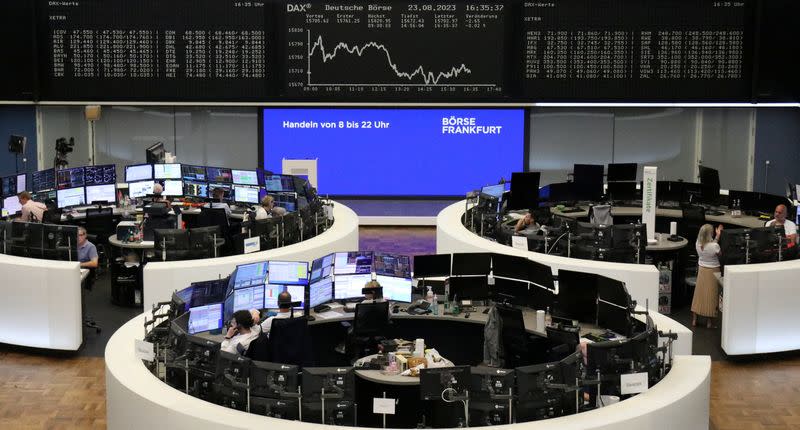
{"x":240,"y":334}
{"x":789,"y":227}
{"x":284,"y":311}
{"x":31,"y":211}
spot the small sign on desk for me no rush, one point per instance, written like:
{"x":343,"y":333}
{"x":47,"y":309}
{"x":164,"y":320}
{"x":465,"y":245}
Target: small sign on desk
{"x":383,"y":406}
{"x":519,"y":242}
{"x":633,"y":383}
{"x":144,"y":350}
{"x":252,"y":244}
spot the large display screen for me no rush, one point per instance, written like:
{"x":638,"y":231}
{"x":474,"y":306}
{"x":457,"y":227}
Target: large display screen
{"x":391,"y":152}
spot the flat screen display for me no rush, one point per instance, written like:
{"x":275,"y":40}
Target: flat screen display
{"x":71,"y":197}
{"x":395,"y":289}
{"x":249,"y":275}
{"x":69,"y":178}
{"x":100,"y":175}
{"x":44,"y":180}
{"x":205,"y":318}
{"x":138,"y":172}
{"x":279,"y":183}
{"x":195,"y":189}
{"x":288,"y":272}
{"x":392,"y":265}
{"x":101,"y":193}
{"x":167,"y":171}
{"x":398,"y":151}
{"x":244,"y":177}
{"x":352,"y":262}
{"x":350,"y":286}
{"x":22,"y":182}
{"x":248,"y":298}
{"x":140,"y":189}
{"x":173,"y":188}
{"x":320,"y":292}
{"x":219,"y":174}
{"x":245,"y":194}
{"x":194,"y":173}
{"x":272,"y":291}
{"x":9,"y":186}
{"x":11,"y":205}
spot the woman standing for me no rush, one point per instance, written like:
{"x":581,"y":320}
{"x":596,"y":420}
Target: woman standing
{"x":706,"y":291}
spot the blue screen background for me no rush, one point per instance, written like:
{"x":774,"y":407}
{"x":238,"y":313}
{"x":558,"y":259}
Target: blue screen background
{"x":411,"y":157}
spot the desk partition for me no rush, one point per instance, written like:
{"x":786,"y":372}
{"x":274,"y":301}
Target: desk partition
{"x":40,"y":304}
{"x":161,"y":279}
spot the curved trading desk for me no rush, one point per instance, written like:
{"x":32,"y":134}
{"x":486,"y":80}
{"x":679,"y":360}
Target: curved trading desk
{"x":134,"y":395}
{"x":452,"y":237}
{"x":759,"y":308}
{"x":41,"y":303}
{"x":625,"y":211}
{"x":161,"y":279}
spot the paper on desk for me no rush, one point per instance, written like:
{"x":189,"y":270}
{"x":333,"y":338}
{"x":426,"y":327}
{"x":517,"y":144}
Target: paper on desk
{"x":328,"y":314}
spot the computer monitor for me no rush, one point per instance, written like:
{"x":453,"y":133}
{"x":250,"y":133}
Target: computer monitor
{"x":11,"y":205}
{"x":246,"y":194}
{"x":249,"y":275}
{"x":540,"y":275}
{"x":495,"y":191}
{"x":614,"y":318}
{"x":612,"y":291}
{"x":558,"y":192}
{"x":279,"y":183}
{"x":219,"y":174}
{"x":171,"y":239}
{"x":510,"y":266}
{"x":43,"y":180}
{"x":273,"y":379}
{"x":335,"y":380}
{"x":172,"y":188}
{"x":588,"y":180}
{"x":623,"y":191}
{"x":577,"y":296}
{"x":352,"y":262}
{"x":429,"y":266}
{"x":194,"y":173}
{"x":140,"y":189}
{"x":469,"y":287}
{"x":538,"y":396}
{"x":69,"y":178}
{"x":195,"y":189}
{"x":167,"y":171}
{"x":22,"y":182}
{"x":272,"y":291}
{"x":524,"y":190}
{"x":392,"y":265}
{"x":139,"y":172}
{"x":288,"y":272}
{"x":244,"y":177}
{"x":446,"y":382}
{"x":733,"y":243}
{"x":320,"y":292}
{"x":622,"y":172}
{"x":226,"y":188}
{"x":205,"y":318}
{"x":395,"y":289}
{"x":287,"y":201}
{"x":349,"y":286}
{"x":319,"y":265}
{"x":68,"y":197}
{"x":474,"y":263}
{"x":248,"y":298}
{"x":100,"y":175}
{"x":101,"y":193}
{"x":208,"y":292}
{"x":155,"y":153}
{"x":709,"y":180}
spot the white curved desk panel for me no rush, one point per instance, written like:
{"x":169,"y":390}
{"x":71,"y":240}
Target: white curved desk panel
{"x":137,"y":399}
{"x":759,"y":308}
{"x":452,"y":237}
{"x":41,"y":303}
{"x":161,"y":279}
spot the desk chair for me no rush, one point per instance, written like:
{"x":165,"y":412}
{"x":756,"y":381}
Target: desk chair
{"x":562,"y":342}
{"x":601,"y":215}
{"x":86,"y":287}
{"x":52,"y":216}
{"x":370,"y":325}
{"x":515,"y":340}
{"x":290,"y":342}
{"x":290,"y":229}
{"x":99,"y":226}
{"x":210,"y":217}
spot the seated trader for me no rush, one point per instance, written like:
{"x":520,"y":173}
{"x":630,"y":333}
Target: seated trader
{"x":217,"y":195}
{"x":789,"y":227}
{"x":526,"y":225}
{"x":264,"y":210}
{"x":373,"y":292}
{"x":240,"y":333}
{"x":158,"y":190}
{"x":87,"y":252}
{"x":31,"y":211}
{"x":284,"y":311}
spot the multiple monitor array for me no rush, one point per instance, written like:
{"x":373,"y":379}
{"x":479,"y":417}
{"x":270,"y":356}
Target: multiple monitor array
{"x":571,"y":296}
{"x":37,"y":240}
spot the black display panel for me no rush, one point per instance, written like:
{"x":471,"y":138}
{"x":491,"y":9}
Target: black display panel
{"x":180,"y":50}
{"x":17,"y":50}
{"x":637,"y":50}
{"x":398,"y":50}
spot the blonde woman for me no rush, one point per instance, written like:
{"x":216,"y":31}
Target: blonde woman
{"x":706,"y":291}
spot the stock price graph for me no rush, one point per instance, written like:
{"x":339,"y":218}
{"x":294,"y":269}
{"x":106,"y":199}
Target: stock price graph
{"x":398,"y":50}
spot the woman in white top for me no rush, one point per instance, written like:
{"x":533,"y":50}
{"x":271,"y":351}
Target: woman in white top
{"x":706,"y":291}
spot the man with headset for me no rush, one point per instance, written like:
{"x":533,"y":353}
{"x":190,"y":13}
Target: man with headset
{"x":284,"y":311}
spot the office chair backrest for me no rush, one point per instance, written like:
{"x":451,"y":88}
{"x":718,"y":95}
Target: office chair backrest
{"x":259,"y":348}
{"x":601,"y":215}
{"x":52,"y":216}
{"x":213,"y":216}
{"x":291,"y":228}
{"x":289,"y":342}
{"x":99,"y":212}
{"x":100,"y":222}
{"x":371,"y":319}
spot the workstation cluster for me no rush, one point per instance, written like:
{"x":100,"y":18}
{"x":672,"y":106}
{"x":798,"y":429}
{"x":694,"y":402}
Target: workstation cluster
{"x":545,"y":374}
{"x":559,"y":207}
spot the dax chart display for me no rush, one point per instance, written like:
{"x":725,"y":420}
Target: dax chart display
{"x":397,"y":50}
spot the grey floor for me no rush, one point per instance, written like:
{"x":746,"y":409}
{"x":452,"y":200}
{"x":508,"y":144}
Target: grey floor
{"x":388,"y":207}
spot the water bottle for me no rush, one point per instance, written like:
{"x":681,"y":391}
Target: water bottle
{"x":548,"y":320}
{"x":435,"y":305}
{"x":429,"y":296}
